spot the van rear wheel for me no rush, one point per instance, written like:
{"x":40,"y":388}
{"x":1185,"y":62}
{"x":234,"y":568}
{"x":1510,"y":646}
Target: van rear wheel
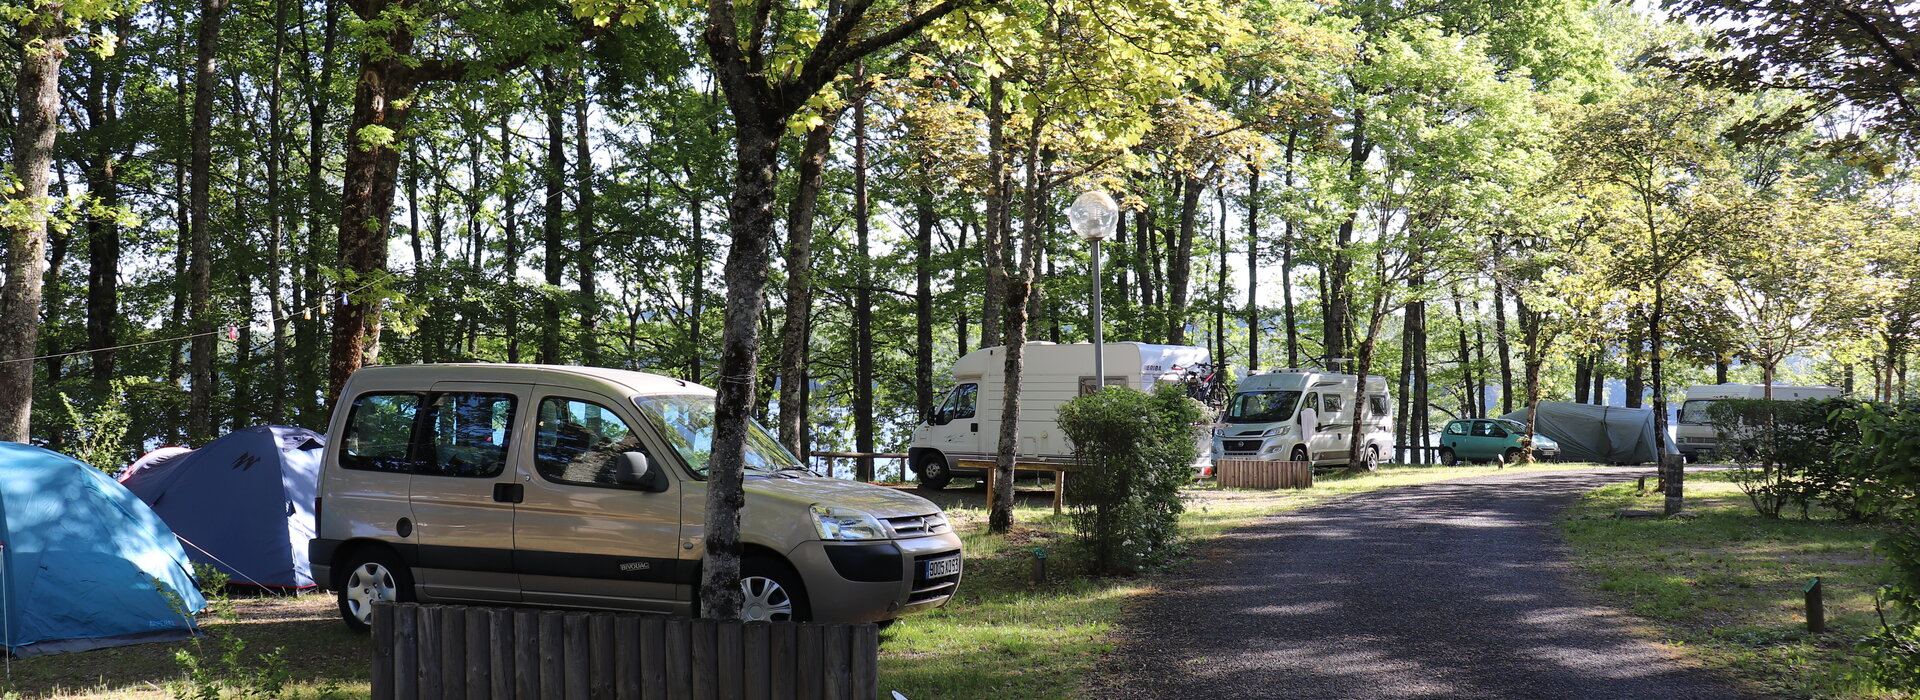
{"x":932,"y":468}
{"x":1511,"y":456}
{"x":1447,"y":458}
{"x":1299,"y":454}
{"x":375,"y":576}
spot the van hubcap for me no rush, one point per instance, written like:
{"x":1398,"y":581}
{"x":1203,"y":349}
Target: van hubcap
{"x":766,"y":600}
{"x":368,"y":584}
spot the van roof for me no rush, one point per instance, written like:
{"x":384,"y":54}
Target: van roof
{"x":563,"y":375}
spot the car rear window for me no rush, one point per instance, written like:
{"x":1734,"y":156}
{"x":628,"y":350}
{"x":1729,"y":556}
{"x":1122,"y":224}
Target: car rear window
{"x":380,"y":433}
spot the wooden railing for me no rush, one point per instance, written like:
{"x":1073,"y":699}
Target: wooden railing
{"x":452,"y":651}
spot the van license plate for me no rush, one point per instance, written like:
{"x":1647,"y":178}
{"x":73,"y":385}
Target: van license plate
{"x":943,"y":567}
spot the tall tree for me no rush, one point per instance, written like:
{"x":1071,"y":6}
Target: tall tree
{"x":200,"y":383}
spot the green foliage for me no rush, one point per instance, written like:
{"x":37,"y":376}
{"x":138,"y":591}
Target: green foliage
{"x":1888,"y":458}
{"x":100,"y":435}
{"x":1134,"y":452}
{"x":223,"y":670}
{"x":1797,"y":450}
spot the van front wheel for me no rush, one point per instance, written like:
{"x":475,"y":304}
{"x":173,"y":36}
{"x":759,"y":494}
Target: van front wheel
{"x":933,"y":471}
{"x":375,"y":576}
{"x":771,"y":592}
{"x":1447,"y":458}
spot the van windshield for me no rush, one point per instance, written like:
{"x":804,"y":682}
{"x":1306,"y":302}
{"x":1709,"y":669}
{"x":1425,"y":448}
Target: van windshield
{"x":1261,"y":406}
{"x":687,"y":424}
{"x":1694,"y":412}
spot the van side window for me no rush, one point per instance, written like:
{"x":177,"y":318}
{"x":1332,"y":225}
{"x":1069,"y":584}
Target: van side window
{"x":579,"y":442}
{"x":1377,"y":405}
{"x":1332,"y":402}
{"x":380,"y":433}
{"x":469,"y":435}
{"x":1458,"y":427}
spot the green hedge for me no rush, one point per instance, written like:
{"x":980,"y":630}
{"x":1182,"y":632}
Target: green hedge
{"x":1134,"y":452}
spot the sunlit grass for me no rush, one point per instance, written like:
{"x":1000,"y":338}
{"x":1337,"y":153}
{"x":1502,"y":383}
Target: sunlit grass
{"x":1728,"y":586}
{"x":1005,"y":636}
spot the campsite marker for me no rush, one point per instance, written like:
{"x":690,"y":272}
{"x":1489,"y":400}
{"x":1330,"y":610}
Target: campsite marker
{"x":1816,"y":608}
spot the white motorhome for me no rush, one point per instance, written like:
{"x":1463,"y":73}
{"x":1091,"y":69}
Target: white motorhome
{"x":1694,"y":432}
{"x":966,"y":423}
{"x":1304,"y":415}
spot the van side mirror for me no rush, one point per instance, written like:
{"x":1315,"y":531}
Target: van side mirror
{"x":937,"y":417}
{"x":635,"y":471}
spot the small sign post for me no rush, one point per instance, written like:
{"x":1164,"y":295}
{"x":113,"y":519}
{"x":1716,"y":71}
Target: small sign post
{"x":1816,"y":609}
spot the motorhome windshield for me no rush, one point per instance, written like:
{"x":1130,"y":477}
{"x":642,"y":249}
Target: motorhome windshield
{"x":687,"y":424}
{"x":1694,"y":412}
{"x":1261,"y":406}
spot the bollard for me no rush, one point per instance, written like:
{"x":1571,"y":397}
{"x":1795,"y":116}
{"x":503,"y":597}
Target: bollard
{"x":1039,"y":565}
{"x":1643,"y":486}
{"x":1816,"y":608}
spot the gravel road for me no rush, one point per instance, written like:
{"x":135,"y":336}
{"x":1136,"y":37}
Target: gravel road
{"x":1450,"y":590}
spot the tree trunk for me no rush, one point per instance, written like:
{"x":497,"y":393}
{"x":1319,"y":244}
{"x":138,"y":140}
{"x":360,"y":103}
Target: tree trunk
{"x":382,"y":97}
{"x":1582,"y":378}
{"x":200,"y":379}
{"x":509,"y":294}
{"x":37,"y":97}
{"x":103,"y":232}
{"x":554,"y":243}
{"x":1506,"y":356}
{"x":1536,"y":357}
{"x":1674,"y":468}
{"x":1469,"y":405}
{"x":697,"y":242}
{"x":589,"y":252}
{"x":862,"y":294}
{"x":314,"y":301}
{"x":1001,"y":518}
{"x":1286,"y":263}
{"x":923,"y":305}
{"x":1339,"y":297}
{"x":1180,"y":262}
{"x":1253,"y":270}
{"x":277,"y":388}
{"x":996,"y":205}
{"x":1599,"y":378}
{"x":1636,"y":373}
{"x":1720,"y":372}
{"x":799,"y":291}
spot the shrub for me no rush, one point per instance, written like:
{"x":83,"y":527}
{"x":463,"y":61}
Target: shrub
{"x":1794,"y":452}
{"x":1134,"y":452}
{"x":1887,"y":460}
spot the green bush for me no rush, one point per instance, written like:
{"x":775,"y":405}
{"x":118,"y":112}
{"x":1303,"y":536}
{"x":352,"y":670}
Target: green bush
{"x":1794,"y":452}
{"x":1886,"y":459}
{"x":1134,"y":452}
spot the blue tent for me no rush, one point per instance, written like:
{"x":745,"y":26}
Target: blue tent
{"x":84,"y":564}
{"x":243,"y":503}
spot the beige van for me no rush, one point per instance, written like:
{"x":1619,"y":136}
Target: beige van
{"x":583,"y":487}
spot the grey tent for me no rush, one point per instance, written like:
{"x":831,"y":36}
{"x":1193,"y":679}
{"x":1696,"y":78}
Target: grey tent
{"x":1605,"y":434}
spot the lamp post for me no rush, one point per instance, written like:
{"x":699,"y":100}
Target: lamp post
{"x":1093,"y":215}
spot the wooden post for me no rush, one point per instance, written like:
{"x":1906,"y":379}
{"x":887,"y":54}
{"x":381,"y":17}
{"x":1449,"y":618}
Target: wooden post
{"x":653,"y":657}
{"x":1059,"y":490}
{"x":1816,"y":608}
{"x":383,"y":649}
{"x":783,"y":643}
{"x":453,"y":651}
{"x":992,"y":473}
{"x":526,"y":656}
{"x":406,"y":650}
{"x":577,"y":656}
{"x":479,"y":680}
{"x":679,"y":678}
{"x":866,"y":661}
{"x":836,"y":666}
{"x":627,"y":659}
{"x":705,"y":658}
{"x":427,"y":657}
{"x":552,"y":658}
{"x":729,"y":662}
{"x":755,"y":664}
{"x":811,"y":668}
{"x":500,"y":648}
{"x":1673,"y":475}
{"x":600,"y":646}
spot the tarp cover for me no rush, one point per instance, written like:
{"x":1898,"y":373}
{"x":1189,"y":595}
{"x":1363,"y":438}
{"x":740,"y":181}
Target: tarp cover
{"x":243,"y":504}
{"x":83,"y":563}
{"x":1604,"y":434}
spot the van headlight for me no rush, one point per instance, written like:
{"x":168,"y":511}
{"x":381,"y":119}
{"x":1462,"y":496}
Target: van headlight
{"x":1278,"y":430}
{"x":836,"y":523}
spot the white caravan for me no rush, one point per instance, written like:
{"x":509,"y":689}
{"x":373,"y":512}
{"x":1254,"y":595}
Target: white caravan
{"x":1304,"y":415}
{"x":1695,"y":433}
{"x":966,"y":422}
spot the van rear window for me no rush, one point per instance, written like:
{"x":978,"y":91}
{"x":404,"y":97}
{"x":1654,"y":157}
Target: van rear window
{"x":380,"y":433}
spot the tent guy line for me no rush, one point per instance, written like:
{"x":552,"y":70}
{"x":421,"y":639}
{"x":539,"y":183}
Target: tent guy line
{"x":390,"y":275}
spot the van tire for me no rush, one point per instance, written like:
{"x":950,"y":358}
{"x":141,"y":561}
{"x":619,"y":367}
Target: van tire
{"x":772,"y":580}
{"x":933,"y":471}
{"x":1299,"y":453}
{"x":1373,"y":459}
{"x":1447,"y":458}
{"x":1511,"y":456}
{"x":372,"y":574}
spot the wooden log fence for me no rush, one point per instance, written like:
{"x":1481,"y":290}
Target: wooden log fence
{"x":455,"y":651}
{"x":1262,"y":474}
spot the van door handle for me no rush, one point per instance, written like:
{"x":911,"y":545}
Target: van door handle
{"x":975,"y":427}
{"x":509,"y":493}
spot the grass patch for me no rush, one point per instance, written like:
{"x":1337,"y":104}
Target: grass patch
{"x":1005,"y":637}
{"x":321,"y":659}
{"x":1728,"y":587}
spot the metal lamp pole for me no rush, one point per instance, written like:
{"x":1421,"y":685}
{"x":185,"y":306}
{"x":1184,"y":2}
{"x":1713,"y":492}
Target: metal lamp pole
{"x":1093,"y":216}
